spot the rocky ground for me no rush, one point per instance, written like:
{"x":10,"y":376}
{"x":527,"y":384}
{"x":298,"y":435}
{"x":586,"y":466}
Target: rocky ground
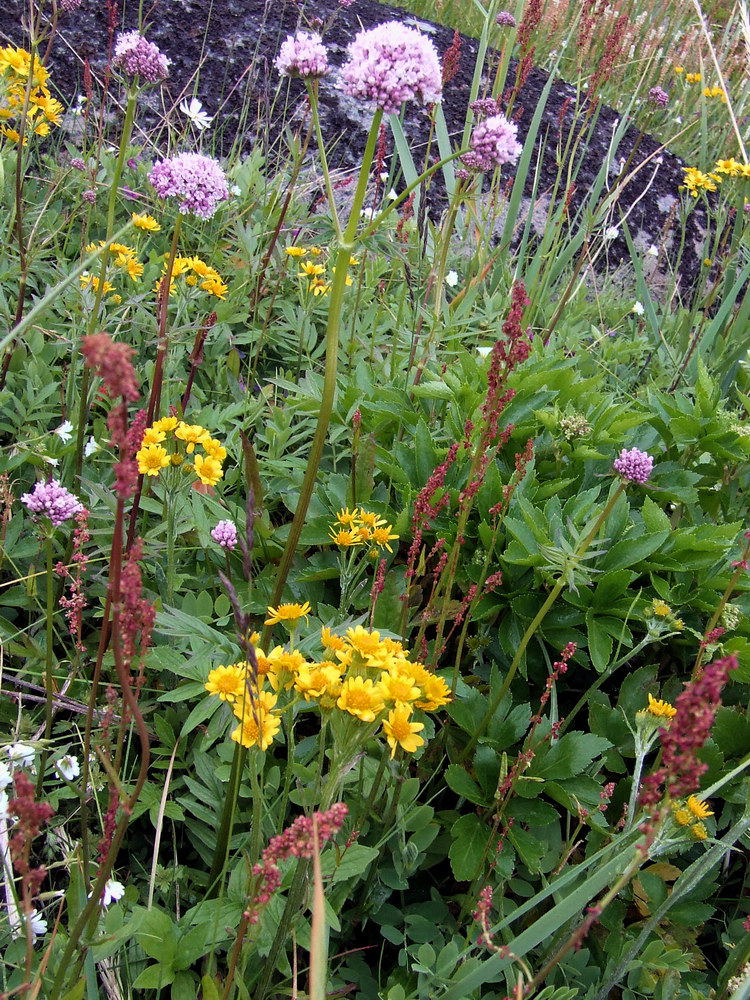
{"x":223,"y":52}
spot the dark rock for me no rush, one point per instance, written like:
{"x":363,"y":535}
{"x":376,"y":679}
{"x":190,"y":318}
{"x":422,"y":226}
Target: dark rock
{"x":231,"y":45}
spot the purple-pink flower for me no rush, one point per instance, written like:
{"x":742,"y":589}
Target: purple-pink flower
{"x":390,"y":64}
{"x":197,"y":181}
{"x":136,"y":56}
{"x":52,"y":500}
{"x":70,"y":5}
{"x":634,"y":465}
{"x":505,"y":19}
{"x":225,"y":535}
{"x":493,"y":143}
{"x":658,"y":96}
{"x":302,"y":54}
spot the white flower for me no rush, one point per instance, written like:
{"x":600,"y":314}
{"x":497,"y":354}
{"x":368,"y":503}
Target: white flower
{"x":392,"y":194}
{"x":50,"y":461}
{"x":3,"y":805}
{"x":78,"y":107}
{"x":638,"y":308}
{"x":68,"y":767}
{"x":22,"y":754}
{"x":451,"y":279}
{"x":235,"y":190}
{"x":368,"y":213}
{"x":91,"y":447}
{"x":113,"y":890}
{"x":653,"y":251}
{"x":678,"y":119}
{"x":5,"y":776}
{"x":38,"y":924}
{"x":65,"y":431}
{"x":193,"y":109}
{"x":484,"y":352}
{"x":384,"y":176}
{"x":611,"y":233}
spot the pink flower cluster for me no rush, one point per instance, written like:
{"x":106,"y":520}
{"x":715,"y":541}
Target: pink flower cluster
{"x":302,"y":54}
{"x":505,"y":19}
{"x":197,"y":181}
{"x":295,"y":842}
{"x":225,"y":535}
{"x":658,"y":96}
{"x":136,"y":56}
{"x":52,"y":500}
{"x":634,"y":465}
{"x":493,"y":143}
{"x":390,"y":64}
{"x":70,"y":5}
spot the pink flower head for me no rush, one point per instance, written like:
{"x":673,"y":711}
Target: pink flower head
{"x":137,"y":57}
{"x":634,"y":465}
{"x":493,"y":143}
{"x":225,"y":535}
{"x":197,"y":181}
{"x":52,"y":500}
{"x":390,"y":64}
{"x":304,"y":55}
{"x":505,"y":19}
{"x":70,"y":5}
{"x":658,"y":96}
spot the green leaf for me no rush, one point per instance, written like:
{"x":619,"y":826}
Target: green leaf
{"x":600,"y":643}
{"x":460,"y":782}
{"x":631,"y":551}
{"x":155,"y":977}
{"x":654,"y":517}
{"x":569,"y":756}
{"x":183,"y":986}
{"x":470,"y":836}
{"x":354,"y":861}
{"x":529,"y":849}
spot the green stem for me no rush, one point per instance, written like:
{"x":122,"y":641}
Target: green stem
{"x":338,"y":287}
{"x":312,"y":90}
{"x":221,"y":853}
{"x":48,"y":678}
{"x":257,"y":831}
{"x":537,"y":621}
{"x":170,"y":502}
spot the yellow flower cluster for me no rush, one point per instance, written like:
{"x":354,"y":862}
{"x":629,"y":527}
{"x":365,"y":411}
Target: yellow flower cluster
{"x":146,"y":222}
{"x":691,"y":813}
{"x":696,"y":180}
{"x":364,"y":677}
{"x":715,"y":92}
{"x":152,"y":456}
{"x":361,"y":527}
{"x":43,"y":110}
{"x":124,"y":258}
{"x":660,"y":709}
{"x":318,"y":282}
{"x":196,"y":273}
{"x":660,"y":609}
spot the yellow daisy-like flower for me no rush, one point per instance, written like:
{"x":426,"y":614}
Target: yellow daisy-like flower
{"x":166,"y":424}
{"x":119,"y":249}
{"x":360,"y":697}
{"x":227,"y":682}
{"x":382,"y":536}
{"x":400,"y":732}
{"x":698,"y":807}
{"x":295,"y":251}
{"x":262,"y":701}
{"x":152,"y":435}
{"x":693,"y":77}
{"x":371,"y":520}
{"x":316,"y":251}
{"x":696,"y":180}
{"x":287,"y":613}
{"x":318,"y":680}
{"x":208,"y":470}
{"x":310,"y":270}
{"x":683,"y":816}
{"x":331,"y":641}
{"x":215,"y":449}
{"x":191,"y":434}
{"x":345,"y":537}
{"x":660,"y":609}
{"x":348,"y":518}
{"x":660,"y":709}
{"x":215,"y":286}
{"x":699,"y":831}
{"x":435,"y":693}
{"x":679,"y":69}
{"x":678,"y":624}
{"x":320,"y":287}
{"x":366,"y":643}
{"x":258,"y":731}
{"x":284,"y":666}
{"x":729,"y":167}
{"x":398,"y":688}
{"x":133,"y":267}
{"x":91,"y":281}
{"x":152,"y":459}
{"x":353,"y":261}
{"x":145,"y":222}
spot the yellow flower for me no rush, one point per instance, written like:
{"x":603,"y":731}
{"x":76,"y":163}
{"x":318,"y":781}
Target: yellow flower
{"x":227,"y":682}
{"x":166,"y":424}
{"x":364,"y":642}
{"x":191,"y":434}
{"x":152,"y":459}
{"x":215,"y":286}
{"x":381,"y":536}
{"x":400,"y":732}
{"x":360,"y":697}
{"x":353,"y":261}
{"x":115,"y":300}
{"x":119,"y":249}
{"x":146,"y":222}
{"x":257,"y":730}
{"x":661,"y":609}
{"x":699,"y":831}
{"x":284,"y":665}
{"x":398,"y":688}
{"x":729,"y":167}
{"x":693,"y":77}
{"x":698,"y":807}
{"x":295,"y":251}
{"x":348,"y":518}
{"x":316,"y":251}
{"x":215,"y":449}
{"x":91,"y":281}
{"x":310,"y":270}
{"x":152,"y":436}
{"x":318,"y":680}
{"x":682,"y":816}
{"x":320,"y":287}
{"x":331,"y":641}
{"x":660,"y":709}
{"x":679,"y":69}
{"x":696,"y":180}
{"x":208,"y":470}
{"x":131,"y":265}
{"x":371,"y":520}
{"x":345,"y":538}
{"x":435,"y":693}
{"x":288,"y":613}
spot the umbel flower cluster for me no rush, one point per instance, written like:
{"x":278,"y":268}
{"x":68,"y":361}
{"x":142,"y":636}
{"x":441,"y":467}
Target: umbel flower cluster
{"x":364,"y":682}
{"x":43,"y":110}
{"x":196,"y":181}
{"x":153,"y":456}
{"x":137,"y":57}
{"x":52,"y":500}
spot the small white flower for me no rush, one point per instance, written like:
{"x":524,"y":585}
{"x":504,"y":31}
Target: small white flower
{"x":78,"y":107}
{"x":38,"y":924}
{"x":484,"y":352}
{"x":678,"y":119}
{"x":68,"y":767}
{"x":368,"y":213}
{"x":113,"y":890}
{"x":193,"y":109}
{"x":5,"y":776}
{"x":638,"y":308}
{"x":50,"y":461}
{"x":392,"y":194}
{"x":611,"y":233}
{"x":235,"y":190}
{"x":384,"y":176}
{"x":451,"y":279}
{"x":21,"y":754}
{"x":65,"y":431}
{"x":91,"y":447}
{"x":653,"y":251}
